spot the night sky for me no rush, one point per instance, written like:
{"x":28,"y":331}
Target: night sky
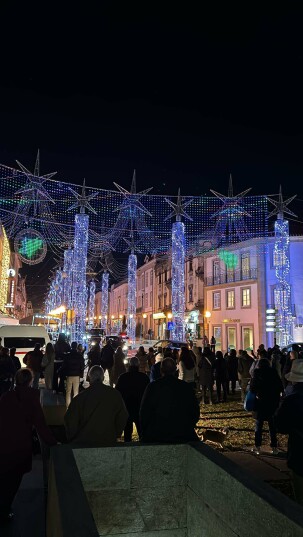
{"x":185,"y":96}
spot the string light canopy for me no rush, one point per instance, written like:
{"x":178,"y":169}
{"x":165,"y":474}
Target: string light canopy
{"x":114,"y":211}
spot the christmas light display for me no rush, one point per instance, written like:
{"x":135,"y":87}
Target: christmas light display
{"x":104,"y":299}
{"x":178,"y":266}
{"x":116,"y":212}
{"x":132,"y":298}
{"x":282,"y":292}
{"x":91,"y":303}
{"x":31,"y":246}
{"x":67,"y":278}
{"x":79,"y":292}
{"x":5,"y":265}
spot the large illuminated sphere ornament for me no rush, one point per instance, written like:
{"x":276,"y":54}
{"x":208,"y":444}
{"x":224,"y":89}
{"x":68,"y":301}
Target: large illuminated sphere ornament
{"x":31,"y":246}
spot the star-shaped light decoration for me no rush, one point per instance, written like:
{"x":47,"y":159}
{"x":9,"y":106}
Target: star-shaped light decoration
{"x":82,"y":201}
{"x":281,"y":205}
{"x":132,"y":198}
{"x":231,"y":204}
{"x":178,"y":208}
{"x":132,"y":248}
{"x":33,"y":189}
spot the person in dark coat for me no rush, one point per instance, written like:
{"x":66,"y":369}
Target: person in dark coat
{"x":221,"y":376}
{"x":206,"y":373}
{"x":244,"y":364}
{"x":20,"y":411}
{"x":94,"y":356}
{"x":169,"y":408}
{"x":289,"y":420}
{"x":267,"y":386}
{"x":132,"y":386}
{"x":73,"y":369}
{"x":290,"y":357}
{"x":14,"y":358}
{"x":61,"y":349}
{"x":33,"y":360}
{"x":232,"y":370}
{"x":7,"y":371}
{"x":107,"y":359}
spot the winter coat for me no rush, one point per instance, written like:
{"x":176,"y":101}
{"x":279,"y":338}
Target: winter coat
{"x":107,"y":356}
{"x":155,"y":372}
{"x":220,"y":367}
{"x":143,"y":363}
{"x":96,"y":417}
{"x":33,"y":361}
{"x":48,"y":362}
{"x":132,"y":386}
{"x":169,"y":411}
{"x":244,"y":364}
{"x":73,"y":365}
{"x":118,"y":368}
{"x":267,"y":386}
{"x":188,"y":375}
{"x":7,"y":368}
{"x":289,"y":420}
{"x":206,"y":369}
{"x":232,"y":367}
{"x":61,"y":349}
{"x":276,"y":362}
{"x":94,"y":357}
{"x":20,"y":411}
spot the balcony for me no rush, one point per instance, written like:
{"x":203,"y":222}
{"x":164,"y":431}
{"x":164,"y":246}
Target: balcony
{"x":231,"y":277}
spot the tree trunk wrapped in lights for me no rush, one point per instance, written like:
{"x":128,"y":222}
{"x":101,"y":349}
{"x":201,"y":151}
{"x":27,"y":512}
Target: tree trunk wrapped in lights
{"x":91,"y":303}
{"x":79,"y":277}
{"x":131,"y":301}
{"x":104,"y":300}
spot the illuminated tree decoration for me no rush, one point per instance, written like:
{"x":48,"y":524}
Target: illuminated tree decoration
{"x":91,"y":303}
{"x":67,"y":278}
{"x":31,"y":246}
{"x":132,"y":298}
{"x":79,"y":293}
{"x":104,"y":299}
{"x":5,"y":265}
{"x":178,"y":266}
{"x":282,"y":265}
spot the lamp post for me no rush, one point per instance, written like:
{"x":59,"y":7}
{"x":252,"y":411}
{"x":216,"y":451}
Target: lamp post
{"x":207,"y":316}
{"x":144,"y":316}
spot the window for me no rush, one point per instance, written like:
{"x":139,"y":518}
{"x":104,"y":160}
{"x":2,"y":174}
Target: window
{"x":245,"y":297}
{"x":151,"y":277}
{"x":142,"y":280}
{"x":159,"y":302}
{"x":216,"y":300}
{"x":245,"y":266}
{"x":146,"y":279}
{"x":151,"y":299}
{"x":23,"y":342}
{"x":159,"y":277}
{"x":190,"y":265}
{"x":146,"y":300}
{"x":142,"y":300}
{"x":216,"y":271}
{"x":230,"y":299}
{"x":190,"y":293}
{"x":217,"y":335}
{"x":165,"y":276}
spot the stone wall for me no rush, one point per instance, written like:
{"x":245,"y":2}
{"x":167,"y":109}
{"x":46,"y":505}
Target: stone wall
{"x":138,"y":490}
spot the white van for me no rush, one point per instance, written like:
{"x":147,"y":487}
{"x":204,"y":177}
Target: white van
{"x":23,"y":337}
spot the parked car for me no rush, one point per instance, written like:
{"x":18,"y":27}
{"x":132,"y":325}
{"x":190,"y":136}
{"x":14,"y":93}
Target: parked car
{"x":116,"y":342}
{"x":289,"y":347}
{"x":170,"y":344}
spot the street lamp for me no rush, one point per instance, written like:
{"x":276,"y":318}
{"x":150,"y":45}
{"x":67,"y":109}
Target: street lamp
{"x":207,"y":316}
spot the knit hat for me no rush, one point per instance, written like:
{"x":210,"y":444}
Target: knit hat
{"x":296,"y":373}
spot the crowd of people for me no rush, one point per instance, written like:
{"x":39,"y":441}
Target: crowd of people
{"x":158,"y":391}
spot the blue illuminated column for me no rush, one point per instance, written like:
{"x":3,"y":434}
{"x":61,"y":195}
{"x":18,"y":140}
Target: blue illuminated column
{"x":104,"y":299}
{"x":178,"y":289}
{"x":131,"y":299}
{"x":67,"y":278}
{"x":79,"y":294}
{"x":58,"y":288}
{"x":91,"y":303}
{"x":282,"y":291}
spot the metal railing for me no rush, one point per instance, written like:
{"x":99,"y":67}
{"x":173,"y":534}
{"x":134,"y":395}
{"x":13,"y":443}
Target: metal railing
{"x":231,"y":277}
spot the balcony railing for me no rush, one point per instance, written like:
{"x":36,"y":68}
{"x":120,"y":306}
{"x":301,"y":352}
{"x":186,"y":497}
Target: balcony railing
{"x":231,"y":277}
